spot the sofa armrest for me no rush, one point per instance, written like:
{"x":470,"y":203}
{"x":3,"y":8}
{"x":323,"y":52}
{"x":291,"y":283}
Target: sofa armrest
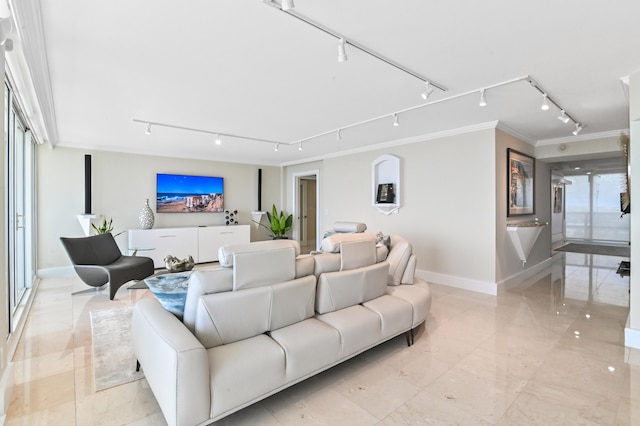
{"x":174,"y":362}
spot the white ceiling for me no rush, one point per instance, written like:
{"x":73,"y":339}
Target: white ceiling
{"x":244,"y":67}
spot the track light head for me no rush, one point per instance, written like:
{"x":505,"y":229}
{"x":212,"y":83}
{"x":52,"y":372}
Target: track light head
{"x":396,"y":120}
{"x":342,"y":53}
{"x":300,"y":146}
{"x":428,"y":91}
{"x":339,"y":134}
{"x":148,"y":131}
{"x":277,"y":147}
{"x":483,"y":99}
{"x":578,"y":129}
{"x":218,"y":141}
{"x":545,"y":103}
{"x":563,"y":117}
{"x":287,"y":5}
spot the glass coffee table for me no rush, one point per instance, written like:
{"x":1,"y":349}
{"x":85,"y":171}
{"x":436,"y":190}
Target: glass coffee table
{"x":171,"y":290}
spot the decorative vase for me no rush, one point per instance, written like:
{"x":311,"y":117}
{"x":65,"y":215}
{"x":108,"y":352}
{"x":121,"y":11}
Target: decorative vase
{"x":146,"y":218}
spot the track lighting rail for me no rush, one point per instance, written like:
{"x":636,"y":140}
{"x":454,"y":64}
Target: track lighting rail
{"x":536,"y":86}
{"x":355,"y":44}
{"x":392,"y":115}
{"x":151,"y":124}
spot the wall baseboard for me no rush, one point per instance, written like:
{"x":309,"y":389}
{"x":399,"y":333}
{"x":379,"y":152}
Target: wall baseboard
{"x":526,"y":274}
{"x":484,"y":287}
{"x":61,"y":272}
{"x":6,"y":390}
{"x":631,"y":335}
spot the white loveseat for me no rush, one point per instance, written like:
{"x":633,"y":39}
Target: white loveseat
{"x":270,"y":318}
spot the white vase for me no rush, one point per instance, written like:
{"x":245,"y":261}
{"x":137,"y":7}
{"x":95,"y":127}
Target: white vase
{"x":146,"y":218}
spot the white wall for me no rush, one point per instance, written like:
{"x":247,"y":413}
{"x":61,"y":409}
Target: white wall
{"x":122,"y":182}
{"x":448,"y":201}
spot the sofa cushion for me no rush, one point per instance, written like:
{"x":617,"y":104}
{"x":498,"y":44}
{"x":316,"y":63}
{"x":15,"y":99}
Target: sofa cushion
{"x":244,"y":371}
{"x":225,"y":253}
{"x":358,"y":326}
{"x":398,"y":257}
{"x":357,"y":254}
{"x":204,"y":282}
{"x":224,"y":318}
{"x":396,"y":315}
{"x":326,"y":262}
{"x":304,"y":265}
{"x":292,"y":302}
{"x":255,"y":269}
{"x":331,"y":244}
{"x":338,"y":290}
{"x":408,"y":277}
{"x":418,"y":295}
{"x":309,"y":346}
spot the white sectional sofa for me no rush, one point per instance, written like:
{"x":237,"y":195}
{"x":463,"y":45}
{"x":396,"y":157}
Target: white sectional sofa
{"x":269,"y":318}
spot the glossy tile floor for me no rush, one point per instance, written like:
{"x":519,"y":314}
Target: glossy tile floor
{"x":549,"y":352}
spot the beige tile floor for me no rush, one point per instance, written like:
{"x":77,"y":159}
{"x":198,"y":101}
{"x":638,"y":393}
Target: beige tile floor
{"x":549,"y":352}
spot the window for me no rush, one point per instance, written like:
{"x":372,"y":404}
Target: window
{"x":593,"y":208}
{"x":19,"y":204}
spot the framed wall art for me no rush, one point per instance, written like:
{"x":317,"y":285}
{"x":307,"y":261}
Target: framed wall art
{"x":521,"y":170}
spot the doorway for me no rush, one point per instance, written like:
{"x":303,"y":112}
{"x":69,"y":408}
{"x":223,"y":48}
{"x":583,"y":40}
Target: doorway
{"x":305,"y":210}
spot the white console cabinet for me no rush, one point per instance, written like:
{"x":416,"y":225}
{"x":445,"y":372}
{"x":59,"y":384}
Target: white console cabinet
{"x":202,"y":242}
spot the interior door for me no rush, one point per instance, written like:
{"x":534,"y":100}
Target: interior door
{"x":306,"y":205}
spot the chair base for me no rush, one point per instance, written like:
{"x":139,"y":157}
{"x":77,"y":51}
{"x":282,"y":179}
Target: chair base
{"x":92,"y":289}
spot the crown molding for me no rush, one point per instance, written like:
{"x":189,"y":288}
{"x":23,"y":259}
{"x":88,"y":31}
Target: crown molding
{"x":397,"y":142}
{"x":585,"y":137}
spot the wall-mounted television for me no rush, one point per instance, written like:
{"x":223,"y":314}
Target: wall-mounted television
{"x":189,"y":194}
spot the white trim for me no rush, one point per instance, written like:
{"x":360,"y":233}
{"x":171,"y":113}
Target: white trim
{"x":515,"y":133}
{"x":294,"y":202}
{"x":6,"y":390}
{"x":484,"y":287}
{"x":30,"y":49}
{"x":59,"y":272}
{"x":397,"y":142}
{"x":521,"y":276}
{"x":586,"y":137}
{"x":631,"y":335}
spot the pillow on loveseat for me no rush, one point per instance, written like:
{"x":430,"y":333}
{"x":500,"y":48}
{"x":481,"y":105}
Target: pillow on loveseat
{"x":349,"y":227}
{"x":332,"y":243}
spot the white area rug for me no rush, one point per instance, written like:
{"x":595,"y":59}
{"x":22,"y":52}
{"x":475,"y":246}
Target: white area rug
{"x":114,"y":362}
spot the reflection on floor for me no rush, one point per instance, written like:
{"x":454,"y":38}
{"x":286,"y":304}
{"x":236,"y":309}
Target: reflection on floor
{"x":550,"y":351}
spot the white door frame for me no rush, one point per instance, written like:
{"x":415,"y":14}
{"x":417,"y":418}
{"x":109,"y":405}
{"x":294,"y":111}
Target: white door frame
{"x":295,"y":198}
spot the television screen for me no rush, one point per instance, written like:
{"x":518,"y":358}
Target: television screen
{"x":189,"y":194}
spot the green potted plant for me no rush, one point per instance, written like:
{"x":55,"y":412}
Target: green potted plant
{"x":279,"y":224}
{"x":105,"y":227}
